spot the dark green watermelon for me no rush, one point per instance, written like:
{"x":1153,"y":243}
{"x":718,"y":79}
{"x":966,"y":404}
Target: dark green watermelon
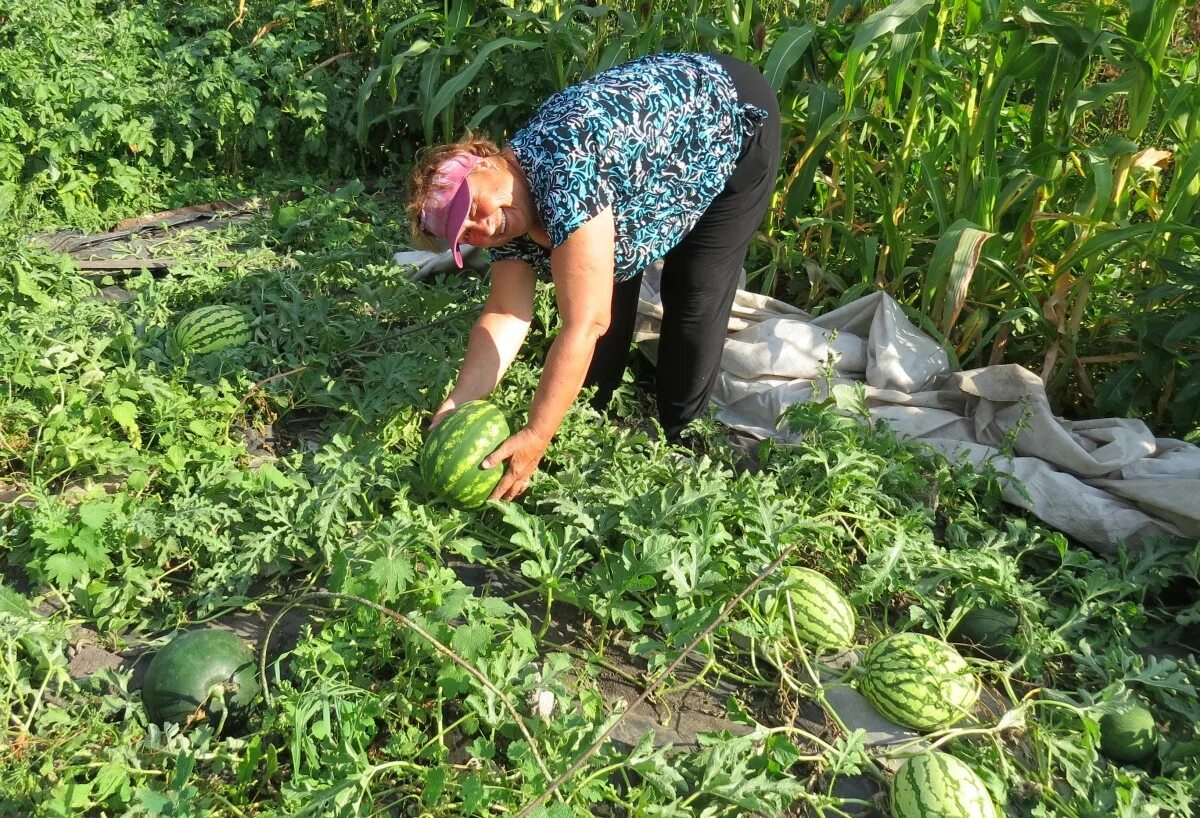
{"x":987,"y":630}
{"x":183,"y":673}
{"x":1128,"y":733}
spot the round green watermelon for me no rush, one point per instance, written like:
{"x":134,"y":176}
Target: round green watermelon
{"x":286,"y":216}
{"x":456,"y":447}
{"x":938,"y":785}
{"x":182,"y":675}
{"x":917,"y":681}
{"x":823,"y":617}
{"x":1128,"y":733}
{"x":987,"y":630}
{"x":212,"y":329}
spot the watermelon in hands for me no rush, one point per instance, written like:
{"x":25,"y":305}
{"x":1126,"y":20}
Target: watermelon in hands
{"x":456,"y":447}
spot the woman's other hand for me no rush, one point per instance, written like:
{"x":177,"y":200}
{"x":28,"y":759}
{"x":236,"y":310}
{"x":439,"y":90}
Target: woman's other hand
{"x":448,"y":406}
{"x":582,"y":267}
{"x":523,"y":452}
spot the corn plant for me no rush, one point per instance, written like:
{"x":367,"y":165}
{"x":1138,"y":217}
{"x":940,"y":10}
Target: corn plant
{"x":988,"y":164}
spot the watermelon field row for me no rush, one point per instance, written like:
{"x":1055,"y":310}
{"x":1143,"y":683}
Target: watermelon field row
{"x":151,"y":490}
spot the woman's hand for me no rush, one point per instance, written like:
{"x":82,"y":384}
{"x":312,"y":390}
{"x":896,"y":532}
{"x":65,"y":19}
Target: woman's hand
{"x":523,"y":451}
{"x":448,"y":406}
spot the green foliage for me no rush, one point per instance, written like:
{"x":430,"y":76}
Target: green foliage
{"x":999,"y":168}
{"x":984,"y":162}
{"x":1162,"y":333}
{"x":108,"y":112}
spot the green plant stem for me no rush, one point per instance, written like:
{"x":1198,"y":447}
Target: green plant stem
{"x":704,"y":671}
{"x":544,"y":629}
{"x":521,"y":594}
{"x":228,"y":804}
{"x":793,"y":730}
{"x":723,"y":670}
{"x":441,"y":733}
{"x":603,"y":737}
{"x":603,"y":771}
{"x":595,"y":658}
{"x":37,"y":700}
{"x":428,"y":637}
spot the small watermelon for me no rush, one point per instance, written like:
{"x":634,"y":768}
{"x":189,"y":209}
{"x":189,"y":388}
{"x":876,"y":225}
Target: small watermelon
{"x":938,"y":785}
{"x":286,"y":216}
{"x":987,"y":630}
{"x":211,"y":329}
{"x":182,"y":674}
{"x":823,"y":617}
{"x":453,"y":451}
{"x":917,"y":681}
{"x":1128,"y":733}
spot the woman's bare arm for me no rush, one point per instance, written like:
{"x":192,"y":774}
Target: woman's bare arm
{"x":582,"y":267}
{"x":583,"y":278}
{"x":497,"y":335}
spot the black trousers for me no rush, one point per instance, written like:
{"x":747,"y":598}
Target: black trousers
{"x":700,"y":276}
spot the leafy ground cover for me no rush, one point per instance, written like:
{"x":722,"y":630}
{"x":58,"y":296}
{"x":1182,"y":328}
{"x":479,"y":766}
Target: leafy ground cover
{"x":141,"y":500}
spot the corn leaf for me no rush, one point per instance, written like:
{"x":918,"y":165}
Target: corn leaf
{"x":790,"y":46}
{"x":457,"y":83}
{"x":952,"y":266}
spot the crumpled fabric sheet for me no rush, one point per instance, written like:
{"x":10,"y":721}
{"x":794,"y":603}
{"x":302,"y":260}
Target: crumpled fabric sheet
{"x":424,"y":263}
{"x":1101,"y":482}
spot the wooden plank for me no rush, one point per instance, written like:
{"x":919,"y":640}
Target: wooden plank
{"x":185,"y":214}
{"x":102,"y":264}
{"x":126,"y":263}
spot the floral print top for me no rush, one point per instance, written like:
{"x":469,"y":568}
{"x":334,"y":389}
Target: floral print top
{"x":656,"y":138}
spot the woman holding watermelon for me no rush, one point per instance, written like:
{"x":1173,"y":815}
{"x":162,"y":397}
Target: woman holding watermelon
{"x":670,"y":156}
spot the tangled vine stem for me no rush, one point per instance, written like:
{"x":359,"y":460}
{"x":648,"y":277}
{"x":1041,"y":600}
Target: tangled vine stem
{"x":405,"y":330}
{"x":417,"y":629}
{"x":653,"y":686}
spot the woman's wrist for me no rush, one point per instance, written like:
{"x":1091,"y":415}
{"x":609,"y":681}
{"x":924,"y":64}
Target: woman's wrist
{"x":458,"y":396}
{"x":543,"y":436}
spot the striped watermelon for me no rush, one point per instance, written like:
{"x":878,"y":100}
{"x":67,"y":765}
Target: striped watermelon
{"x":211,"y":329}
{"x":823,"y":617}
{"x":938,"y":785}
{"x":917,"y":681}
{"x":453,"y":451}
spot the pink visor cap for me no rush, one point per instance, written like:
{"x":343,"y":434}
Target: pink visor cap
{"x":447,"y":208}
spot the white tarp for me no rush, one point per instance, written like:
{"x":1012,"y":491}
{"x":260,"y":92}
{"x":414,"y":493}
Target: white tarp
{"x":1100,"y":481}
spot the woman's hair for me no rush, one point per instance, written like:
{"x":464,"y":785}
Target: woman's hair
{"x":420,"y":183}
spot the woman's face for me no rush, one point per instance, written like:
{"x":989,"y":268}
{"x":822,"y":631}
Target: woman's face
{"x":501,"y":207}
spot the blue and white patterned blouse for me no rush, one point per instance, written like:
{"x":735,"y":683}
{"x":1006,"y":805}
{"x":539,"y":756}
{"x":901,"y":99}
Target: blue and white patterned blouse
{"x":656,"y":138}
